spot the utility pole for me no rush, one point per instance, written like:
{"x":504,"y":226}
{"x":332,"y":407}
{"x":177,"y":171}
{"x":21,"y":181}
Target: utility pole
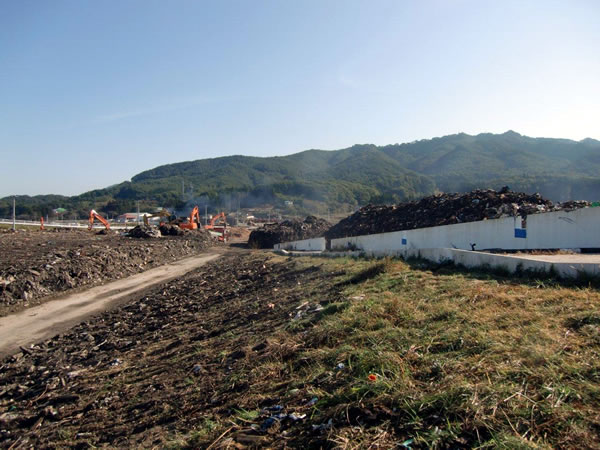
{"x":138,"y":212}
{"x":14,"y":213}
{"x":182,"y":190}
{"x":206,"y":214}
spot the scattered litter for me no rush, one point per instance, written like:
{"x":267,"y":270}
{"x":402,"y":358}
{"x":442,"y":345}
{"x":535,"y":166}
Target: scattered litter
{"x":274,"y":408}
{"x":323,"y":426}
{"x":268,"y":423}
{"x":372,"y":377}
{"x":406,"y":444}
{"x":340,"y":366}
{"x":312,"y":401}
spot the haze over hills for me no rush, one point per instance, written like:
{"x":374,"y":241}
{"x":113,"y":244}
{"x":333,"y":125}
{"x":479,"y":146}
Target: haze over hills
{"x":317,"y":180}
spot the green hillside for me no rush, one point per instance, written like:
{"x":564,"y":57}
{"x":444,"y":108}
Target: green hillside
{"x":318,"y":181}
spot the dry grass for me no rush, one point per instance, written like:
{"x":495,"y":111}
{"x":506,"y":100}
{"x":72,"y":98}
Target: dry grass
{"x":460,"y":360}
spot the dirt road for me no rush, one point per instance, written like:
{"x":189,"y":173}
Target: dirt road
{"x":56,"y":316}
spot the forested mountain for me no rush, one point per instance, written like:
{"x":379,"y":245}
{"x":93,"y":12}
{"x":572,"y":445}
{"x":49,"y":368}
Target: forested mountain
{"x":317,"y":180}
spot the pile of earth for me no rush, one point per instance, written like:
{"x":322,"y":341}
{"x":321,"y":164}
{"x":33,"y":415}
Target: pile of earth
{"x":288,"y":230}
{"x":239,"y":233}
{"x":445,"y":209}
{"x":36,"y":264}
{"x":149,"y":231}
{"x":144,"y":231}
{"x":170,"y":230}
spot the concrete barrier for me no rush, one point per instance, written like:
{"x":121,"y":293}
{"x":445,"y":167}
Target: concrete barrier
{"x":553,"y":230}
{"x":315,"y":244}
{"x":509,"y":263}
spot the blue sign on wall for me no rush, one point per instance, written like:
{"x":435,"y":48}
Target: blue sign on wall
{"x":520,"y":233}
{"x":403,"y":241}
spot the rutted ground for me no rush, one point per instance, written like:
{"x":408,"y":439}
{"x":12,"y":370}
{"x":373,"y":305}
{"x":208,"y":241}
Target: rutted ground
{"x":261,"y":350}
{"x":36,"y":264}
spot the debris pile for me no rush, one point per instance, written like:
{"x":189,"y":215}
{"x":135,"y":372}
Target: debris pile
{"x":36,"y":264}
{"x":144,"y":231}
{"x":288,"y":230}
{"x":170,"y":230}
{"x":445,"y":209}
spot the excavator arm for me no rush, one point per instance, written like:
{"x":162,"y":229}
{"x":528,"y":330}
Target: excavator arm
{"x":94,"y":215}
{"x":164,"y":213}
{"x":221,"y":215}
{"x":193,"y":220}
{"x":222,"y":229}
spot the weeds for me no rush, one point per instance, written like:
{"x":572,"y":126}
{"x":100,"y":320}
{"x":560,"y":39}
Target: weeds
{"x":461,"y":359}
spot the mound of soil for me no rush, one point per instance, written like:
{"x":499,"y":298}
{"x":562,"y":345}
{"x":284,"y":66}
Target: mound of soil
{"x":143,"y":231}
{"x":170,"y":230}
{"x":445,"y":209}
{"x":288,"y":230}
{"x":36,"y":264}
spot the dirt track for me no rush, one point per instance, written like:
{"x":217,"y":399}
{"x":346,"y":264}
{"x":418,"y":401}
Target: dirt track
{"x":36,"y":265}
{"x":58,"y":315}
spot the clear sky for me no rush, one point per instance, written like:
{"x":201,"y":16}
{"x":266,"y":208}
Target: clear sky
{"x":92,"y":93}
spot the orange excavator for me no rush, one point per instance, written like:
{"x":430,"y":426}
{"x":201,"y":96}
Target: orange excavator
{"x":221,"y":229}
{"x":193,"y":221}
{"x":211,"y":225}
{"x":95,"y":215}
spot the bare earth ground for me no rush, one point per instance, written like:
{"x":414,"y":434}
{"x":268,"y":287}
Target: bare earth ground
{"x":63,"y":312}
{"x":35,"y":265}
{"x":263,"y":351}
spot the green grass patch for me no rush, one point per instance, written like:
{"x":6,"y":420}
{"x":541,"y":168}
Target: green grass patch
{"x":459,"y":359}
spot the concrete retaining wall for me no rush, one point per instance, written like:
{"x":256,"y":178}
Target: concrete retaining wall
{"x":506,"y":262}
{"x":553,"y":230}
{"x":315,"y":244}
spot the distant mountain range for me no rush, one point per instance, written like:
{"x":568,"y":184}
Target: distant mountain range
{"x":317,"y":181}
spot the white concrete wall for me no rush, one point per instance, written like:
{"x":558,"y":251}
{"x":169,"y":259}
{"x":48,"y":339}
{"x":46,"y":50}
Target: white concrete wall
{"x":508,"y":262}
{"x":560,"y":229}
{"x":315,"y":244}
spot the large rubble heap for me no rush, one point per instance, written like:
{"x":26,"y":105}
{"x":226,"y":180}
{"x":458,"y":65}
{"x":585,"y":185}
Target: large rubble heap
{"x":288,"y":230}
{"x":445,"y":209}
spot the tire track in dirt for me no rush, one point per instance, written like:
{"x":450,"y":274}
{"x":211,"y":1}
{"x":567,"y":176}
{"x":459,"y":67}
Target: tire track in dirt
{"x":58,"y":315}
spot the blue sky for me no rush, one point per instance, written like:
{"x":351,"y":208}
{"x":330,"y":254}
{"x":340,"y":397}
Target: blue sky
{"x":92,"y":93}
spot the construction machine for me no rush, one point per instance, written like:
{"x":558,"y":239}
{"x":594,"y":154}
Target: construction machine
{"x":220,"y":230}
{"x":162,"y":214}
{"x":211,"y":225}
{"x":94,"y":215}
{"x":193,"y":220}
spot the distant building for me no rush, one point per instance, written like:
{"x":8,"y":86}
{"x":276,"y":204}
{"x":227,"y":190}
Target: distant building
{"x":131,"y":217}
{"x":289,"y":203}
